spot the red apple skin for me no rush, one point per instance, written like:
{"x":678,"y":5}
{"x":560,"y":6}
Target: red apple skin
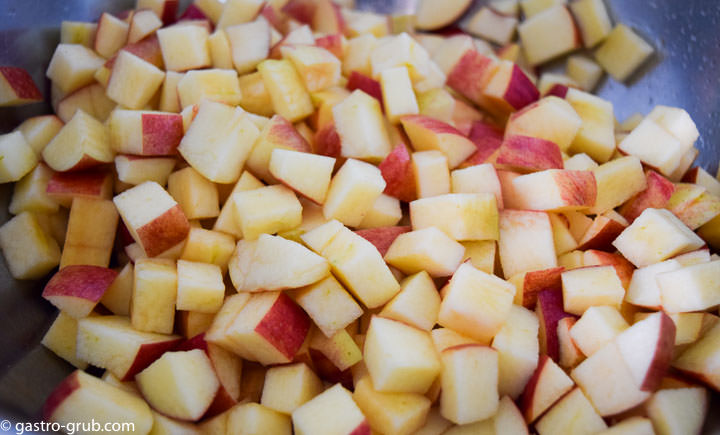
{"x":221,"y":403}
{"x":328,"y":372}
{"x":268,"y":11}
{"x":623,"y":267}
{"x":362,"y":429}
{"x":468,"y":77}
{"x":162,"y":133}
{"x":196,"y":342}
{"x":147,"y":49}
{"x":550,"y":311}
{"x":327,"y":141}
{"x":333,"y":44}
{"x":366,"y":84}
{"x":85,"y":183}
{"x":285,"y":326}
{"x":170,"y":11}
{"x":281,"y":131}
{"x":577,"y":187}
{"x":431,"y":124}
{"x":383,"y":237}
{"x":80,"y":281}
{"x":123,"y":236}
{"x":663,"y":354}
{"x":301,"y":10}
{"x":21,"y":83}
{"x":539,"y":280}
{"x":164,"y":232}
{"x":397,"y":171}
{"x":530,"y":153}
{"x":193,"y":13}
{"x":488,"y":138}
{"x":604,"y":233}
{"x":557,"y":90}
{"x":61,"y":392}
{"x":521,"y":91}
{"x":528,"y":394}
{"x":147,"y":354}
{"x":656,"y":195}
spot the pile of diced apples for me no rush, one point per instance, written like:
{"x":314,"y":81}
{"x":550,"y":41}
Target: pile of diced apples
{"x":289,"y":216}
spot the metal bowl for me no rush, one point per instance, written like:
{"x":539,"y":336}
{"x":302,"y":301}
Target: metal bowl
{"x":682,"y":73}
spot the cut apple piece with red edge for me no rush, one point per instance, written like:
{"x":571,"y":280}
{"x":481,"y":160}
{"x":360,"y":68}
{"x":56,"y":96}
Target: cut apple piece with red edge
{"x":17,"y":87}
{"x":431,"y":15}
{"x":548,"y":384}
{"x":77,"y":289}
{"x":82,"y":143}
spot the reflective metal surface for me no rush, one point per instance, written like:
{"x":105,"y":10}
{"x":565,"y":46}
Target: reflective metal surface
{"x":684,"y":73}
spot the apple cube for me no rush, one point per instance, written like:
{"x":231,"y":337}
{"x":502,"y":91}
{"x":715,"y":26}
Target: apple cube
{"x":78,"y":32}
{"x":492,"y":25}
{"x":61,"y":338}
{"x":17,"y":87}
{"x":590,"y":286}
{"x":254,"y":97}
{"x":340,"y":349}
{"x":156,"y":228}
{"x":82,"y":400}
{"x":697,"y":360}
{"x":549,"y":34}
{"x":227,"y":221}
{"x":693,"y":205}
{"x":361,"y":127}
{"x":352,"y":259}
{"x":72,"y":67}
{"x":518,"y":229}
{"x":608,"y":381}
{"x":82,"y":143}
{"x":527,"y":154}
{"x":266,"y":210}
{"x":580,"y":162}
{"x":29,"y":251}
{"x":144,"y":132}
{"x":385,"y":212}
{"x":200,"y":287}
{"x":270,"y":328}
{"x":352,"y":192}
{"x":184,"y":47}
{"x":427,"y":249}
{"x":277,"y":133}
{"x":675,"y":411}
{"x":383,"y":237}
{"x":180,"y":385}
{"x":318,"y":68}
{"x":220,"y":85}
{"x":399,"y":358}
{"x":509,"y":89}
{"x":111,"y":342}
{"x":39,"y":130}
{"x":462,"y":216}
{"x":417,"y":304}
{"x":529,"y":284}
{"x":249,"y":44}
{"x":638,"y":244}
{"x":436,"y":103}
{"x":196,"y":195}
{"x":668,"y":148}
{"x":220,"y":51}
{"x":306,"y":173}
{"x":623,"y":52}
{"x":469,"y":383}
{"x":329,"y":305}
{"x":232,"y":305}
{"x":596,"y":135}
{"x":430,"y":134}
{"x":468,"y":71}
{"x":219,"y":141}
{"x":17,"y":158}
{"x":548,"y":384}
{"x":332,"y":412}
{"x":90,"y":233}
{"x":584,"y":71}
{"x":597,"y":326}
{"x":430,"y":170}
{"x":118,"y":295}
{"x":391,"y":412}
{"x":289,"y":97}
{"x":572,"y":414}
{"x":689,"y":288}
{"x":592,"y":20}
{"x":142,"y":24}
{"x":480,"y":178}
{"x":475,"y":303}
{"x":289,"y":387}
{"x":617,"y":181}
{"x":133,"y":81}
{"x":77,"y":289}
{"x":398,"y":96}
{"x":569,"y":355}
{"x":111,"y":35}
{"x":604,"y":229}
{"x":555,"y":190}
{"x":517,"y":346}
{"x":154,"y":295}
{"x":206,"y":246}
{"x":253,"y":266}
{"x":135,"y":170}
{"x":551,"y":118}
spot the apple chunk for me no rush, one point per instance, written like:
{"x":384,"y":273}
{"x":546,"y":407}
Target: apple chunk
{"x":77,"y":289}
{"x":332,"y":412}
{"x":253,"y":265}
{"x":29,"y":251}
{"x":82,"y":400}
{"x":181,"y":385}
{"x":546,"y":386}
{"x":431,"y":15}
{"x":17,"y":87}
{"x":428,"y":249}
{"x":82,"y":143}
{"x":144,"y":132}
{"x":306,"y":173}
{"x":18,"y":158}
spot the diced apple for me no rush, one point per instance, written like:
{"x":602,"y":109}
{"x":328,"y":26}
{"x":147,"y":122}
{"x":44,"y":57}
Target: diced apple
{"x":287,"y":92}
{"x":555,"y":190}
{"x":77,"y":289}
{"x":676,"y":411}
{"x":118,"y":295}
{"x":462,"y":216}
{"x":289,"y":387}
{"x":623,"y":52}
{"x":547,"y":385}
{"x":656,"y":195}
{"x":427,"y":249}
{"x":145,"y":133}
{"x":517,"y":346}
{"x":572,"y":414}
{"x":399,"y":358}
{"x":604,"y":229}
{"x":597,"y":326}
{"x":181,"y":385}
{"x":72,"y":67}
{"x":361,"y":128}
{"x":29,"y":251}
{"x":249,"y":44}
{"x":352,"y":192}
{"x":549,"y":34}
{"x":689,"y":288}
{"x":306,"y":173}
{"x":475,"y":303}
{"x":611,"y":192}
{"x":492,"y":25}
{"x":390,"y":412}
{"x":133,"y":81}
{"x":184,"y":47}
{"x":84,"y":400}
{"x":592,"y":20}
{"x":17,"y":87}
{"x":430,"y":134}
{"x":569,"y":355}
{"x":509,"y":89}
{"x":332,"y":412}
{"x":39,"y":130}
{"x":551,"y":118}
{"x":61,"y":338}
{"x":584,"y":71}
{"x":78,"y":32}
{"x":398,"y":96}
{"x":590,"y":286}
{"x":220,"y":85}
{"x":328,"y":304}
{"x":318,"y":68}
{"x":517,"y":229}
{"x":430,"y":170}
{"x":697,"y":360}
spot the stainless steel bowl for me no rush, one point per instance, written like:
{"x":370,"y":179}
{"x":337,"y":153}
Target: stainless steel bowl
{"x":683,"y":73}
